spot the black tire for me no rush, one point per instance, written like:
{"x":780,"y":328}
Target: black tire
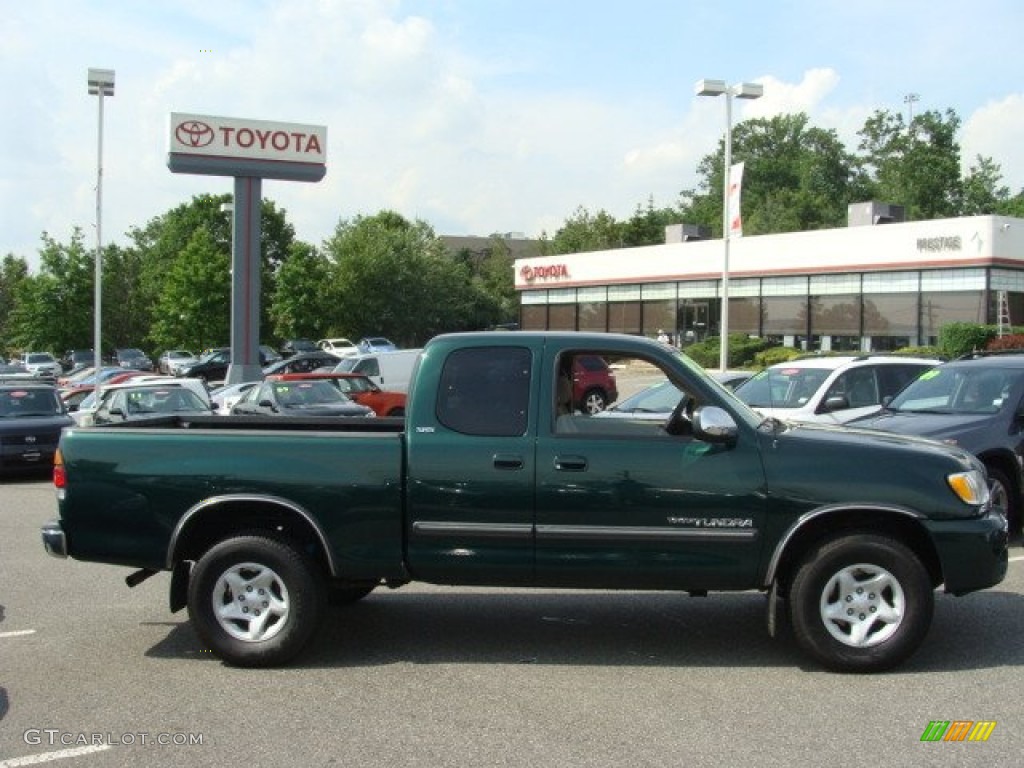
{"x":279,"y":610}
{"x":348,"y":594}
{"x":1004,"y":495}
{"x":834,"y":581}
{"x":594,"y":401}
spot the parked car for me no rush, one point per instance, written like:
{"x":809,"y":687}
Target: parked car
{"x":87,"y":406}
{"x":977,"y":403}
{"x":654,"y":403}
{"x":224,"y":398}
{"x":593,"y":384}
{"x":388,"y":370}
{"x":295,"y":346}
{"x":76,"y":359}
{"x":830,"y":389}
{"x":730,"y":379}
{"x":172,"y":359}
{"x":298,"y":398}
{"x":212,"y":366}
{"x":31,"y":419}
{"x":42,"y":364}
{"x":340,"y":347}
{"x":134,"y":358}
{"x":357,"y":387}
{"x":139,"y":400}
{"x":304,"y":362}
{"x":269,"y":355}
{"x":369,"y":344}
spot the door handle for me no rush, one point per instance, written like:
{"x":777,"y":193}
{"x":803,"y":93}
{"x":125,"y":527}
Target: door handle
{"x":571,"y":463}
{"x":507,"y":461}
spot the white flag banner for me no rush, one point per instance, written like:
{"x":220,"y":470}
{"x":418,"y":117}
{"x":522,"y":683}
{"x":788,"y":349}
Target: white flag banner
{"x":735,"y":187}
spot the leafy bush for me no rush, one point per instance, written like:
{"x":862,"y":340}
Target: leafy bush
{"x":742,"y":350}
{"x":775,"y":355}
{"x":1013,"y":341}
{"x":956,"y":339}
{"x":920,"y":351}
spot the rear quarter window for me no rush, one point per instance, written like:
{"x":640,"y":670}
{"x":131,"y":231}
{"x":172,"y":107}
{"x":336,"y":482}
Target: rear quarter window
{"x":485,"y":391}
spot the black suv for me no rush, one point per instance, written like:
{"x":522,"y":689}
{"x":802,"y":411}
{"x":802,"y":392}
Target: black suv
{"x":976,"y":402}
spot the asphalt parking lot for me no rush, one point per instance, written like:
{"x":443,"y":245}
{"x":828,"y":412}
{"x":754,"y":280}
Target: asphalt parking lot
{"x":93,"y":674}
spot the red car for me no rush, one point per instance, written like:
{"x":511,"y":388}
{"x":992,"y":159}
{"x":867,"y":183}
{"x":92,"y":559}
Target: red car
{"x":593,"y":384}
{"x":358,"y":388}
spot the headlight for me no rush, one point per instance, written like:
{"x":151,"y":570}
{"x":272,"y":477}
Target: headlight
{"x":970,"y":487}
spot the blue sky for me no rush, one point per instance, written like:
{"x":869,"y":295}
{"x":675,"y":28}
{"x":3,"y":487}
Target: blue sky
{"x":477,"y":116}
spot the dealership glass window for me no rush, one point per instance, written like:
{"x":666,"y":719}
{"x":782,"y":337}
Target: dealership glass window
{"x":940,"y":308}
{"x":533,"y":317}
{"x":624,"y":317}
{"x":836,"y":315}
{"x":953,"y":280}
{"x":781,"y":286}
{"x":562,"y":317}
{"x":699,"y":289}
{"x":785,"y":315}
{"x":592,"y":311}
{"x":745,"y":316}
{"x":831,"y":285}
{"x":890,"y":321}
{"x":660,"y":316}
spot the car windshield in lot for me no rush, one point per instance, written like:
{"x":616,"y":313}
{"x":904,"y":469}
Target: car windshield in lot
{"x":28,"y":402}
{"x":782,"y":387}
{"x":956,"y":390}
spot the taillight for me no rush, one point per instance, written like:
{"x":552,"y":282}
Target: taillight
{"x":60,"y":479}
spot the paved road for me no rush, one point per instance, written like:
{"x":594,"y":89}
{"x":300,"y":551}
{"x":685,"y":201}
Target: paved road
{"x":436,"y":677}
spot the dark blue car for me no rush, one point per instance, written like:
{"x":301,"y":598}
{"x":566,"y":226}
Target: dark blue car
{"x":976,"y":402}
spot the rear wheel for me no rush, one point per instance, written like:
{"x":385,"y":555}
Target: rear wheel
{"x":255,"y":600}
{"x":861,"y":603}
{"x":594,"y":401}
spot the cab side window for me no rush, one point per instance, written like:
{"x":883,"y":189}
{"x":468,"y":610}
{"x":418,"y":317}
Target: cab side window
{"x":486,"y":391}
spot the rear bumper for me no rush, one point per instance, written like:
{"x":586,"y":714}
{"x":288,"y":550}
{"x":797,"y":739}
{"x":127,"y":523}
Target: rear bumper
{"x":54,"y":541}
{"x":974,"y":554}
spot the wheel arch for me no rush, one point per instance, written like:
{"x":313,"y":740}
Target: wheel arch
{"x":217,"y":518}
{"x":901,"y":524}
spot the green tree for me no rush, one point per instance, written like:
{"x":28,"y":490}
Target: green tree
{"x":396,"y":279}
{"x":303,"y":306}
{"x":982,"y":193}
{"x":796,"y":177}
{"x":917,"y":166}
{"x":163,"y":238}
{"x":193,"y":307}
{"x":13,"y":272}
{"x":584,"y":231}
{"x":53,"y":310}
{"x":647,"y":226}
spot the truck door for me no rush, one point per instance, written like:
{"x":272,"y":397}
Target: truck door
{"x":621,"y":503}
{"x":470,"y":495}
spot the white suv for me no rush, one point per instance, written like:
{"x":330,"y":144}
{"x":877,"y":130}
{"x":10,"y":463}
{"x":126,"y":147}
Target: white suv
{"x":42,"y":364}
{"x":830,"y":390}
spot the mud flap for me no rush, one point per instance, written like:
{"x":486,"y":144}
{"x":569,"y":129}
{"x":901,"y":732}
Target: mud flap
{"x":774,"y":602}
{"x":179,"y":585}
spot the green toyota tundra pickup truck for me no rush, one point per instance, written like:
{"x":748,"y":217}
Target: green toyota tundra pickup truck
{"x":493,"y":478}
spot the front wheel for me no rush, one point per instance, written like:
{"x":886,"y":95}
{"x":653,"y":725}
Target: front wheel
{"x":255,"y":601}
{"x":1004,"y":496}
{"x":861,"y":603}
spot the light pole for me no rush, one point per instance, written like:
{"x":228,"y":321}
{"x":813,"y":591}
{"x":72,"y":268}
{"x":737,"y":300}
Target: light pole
{"x":101,"y":83}
{"x":740,"y":91}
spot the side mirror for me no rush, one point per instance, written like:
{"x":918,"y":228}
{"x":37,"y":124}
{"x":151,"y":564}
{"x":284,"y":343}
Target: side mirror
{"x":714,"y":425}
{"x":836,"y":403}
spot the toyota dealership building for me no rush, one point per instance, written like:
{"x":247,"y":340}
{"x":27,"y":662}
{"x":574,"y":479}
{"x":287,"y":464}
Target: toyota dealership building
{"x":866,"y":287}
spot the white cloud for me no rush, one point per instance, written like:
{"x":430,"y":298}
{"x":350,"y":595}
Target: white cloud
{"x":997,"y":131}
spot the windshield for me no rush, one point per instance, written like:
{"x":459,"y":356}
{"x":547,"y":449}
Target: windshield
{"x":302,"y":394}
{"x":952,"y":389}
{"x":19,"y":403}
{"x":782,"y":387}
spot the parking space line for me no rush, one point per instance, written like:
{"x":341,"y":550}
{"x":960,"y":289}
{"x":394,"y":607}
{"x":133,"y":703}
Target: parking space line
{"x":17,"y":633}
{"x":48,"y":757}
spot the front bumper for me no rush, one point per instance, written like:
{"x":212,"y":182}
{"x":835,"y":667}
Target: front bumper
{"x":54,"y":541}
{"x":974,"y":554}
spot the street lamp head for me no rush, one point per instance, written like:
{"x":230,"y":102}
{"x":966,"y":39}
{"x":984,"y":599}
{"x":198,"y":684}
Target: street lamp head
{"x":710,"y":87}
{"x":748,"y":90}
{"x":101,"y":81}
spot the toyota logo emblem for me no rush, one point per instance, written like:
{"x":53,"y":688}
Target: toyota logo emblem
{"x":30,"y":439}
{"x":194,"y":133}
